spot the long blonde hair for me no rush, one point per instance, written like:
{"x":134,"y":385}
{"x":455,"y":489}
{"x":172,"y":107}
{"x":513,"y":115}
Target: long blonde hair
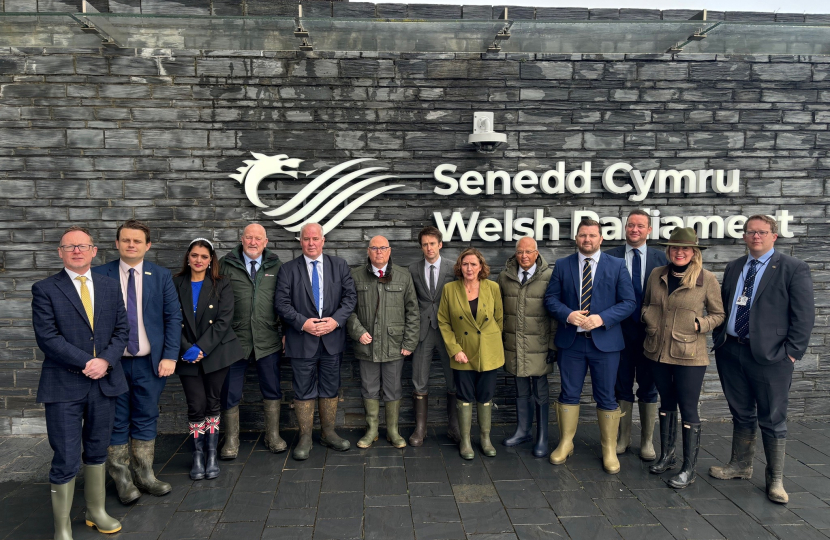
{"x":694,"y":268}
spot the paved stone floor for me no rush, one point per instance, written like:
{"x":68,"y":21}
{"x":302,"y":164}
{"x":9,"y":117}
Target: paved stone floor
{"x":431,"y":493}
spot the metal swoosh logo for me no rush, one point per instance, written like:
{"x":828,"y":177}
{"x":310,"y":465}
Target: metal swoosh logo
{"x":321,"y":196}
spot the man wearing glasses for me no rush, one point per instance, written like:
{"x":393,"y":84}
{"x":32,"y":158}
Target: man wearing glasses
{"x":81,"y":326}
{"x":640,"y":260}
{"x":385,"y":327}
{"x":768,"y":297}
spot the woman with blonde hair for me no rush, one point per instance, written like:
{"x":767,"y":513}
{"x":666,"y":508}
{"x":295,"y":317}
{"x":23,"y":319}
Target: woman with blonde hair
{"x":675,"y":299}
{"x":471,"y":320}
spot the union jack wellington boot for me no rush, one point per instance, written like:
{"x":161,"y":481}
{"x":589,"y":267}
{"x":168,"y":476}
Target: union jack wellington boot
{"x":197,"y":430}
{"x":211,"y":446}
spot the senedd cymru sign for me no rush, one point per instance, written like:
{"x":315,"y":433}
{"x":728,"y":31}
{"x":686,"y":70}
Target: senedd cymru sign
{"x":326,"y":197}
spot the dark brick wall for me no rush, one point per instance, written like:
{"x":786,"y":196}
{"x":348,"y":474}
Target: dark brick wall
{"x":97,"y":136}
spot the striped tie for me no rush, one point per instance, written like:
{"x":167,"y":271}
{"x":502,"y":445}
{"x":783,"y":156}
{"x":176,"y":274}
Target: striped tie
{"x":587,"y":285}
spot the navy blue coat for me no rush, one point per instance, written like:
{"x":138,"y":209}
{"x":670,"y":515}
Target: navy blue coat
{"x":294,"y":303}
{"x":64,"y":335}
{"x":612,"y":298}
{"x":161,"y":310}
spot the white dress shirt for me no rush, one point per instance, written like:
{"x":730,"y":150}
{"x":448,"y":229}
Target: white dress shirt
{"x":437,"y":265}
{"x":530,"y":271}
{"x":377,"y":270}
{"x":72,"y":275}
{"x":124,"y":274}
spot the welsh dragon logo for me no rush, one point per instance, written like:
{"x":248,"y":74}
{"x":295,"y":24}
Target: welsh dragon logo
{"x":322,"y":194}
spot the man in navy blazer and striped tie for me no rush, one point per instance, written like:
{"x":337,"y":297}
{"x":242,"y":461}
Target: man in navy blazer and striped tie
{"x":81,"y":326}
{"x":590,"y":293}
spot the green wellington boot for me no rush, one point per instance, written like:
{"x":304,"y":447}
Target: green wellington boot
{"x":230,"y":422}
{"x":273,"y":441}
{"x":393,"y":409}
{"x":624,"y":436}
{"x":61,"y":509}
{"x":609,"y":425}
{"x":372,"y":407}
{"x":465,"y":423}
{"x":95,"y":493}
{"x":328,"y":415}
{"x":567,"y":417}
{"x":304,"y":409}
{"x":484,"y":411}
{"x":118,"y":466}
{"x":143,"y":453}
{"x":648,"y":417}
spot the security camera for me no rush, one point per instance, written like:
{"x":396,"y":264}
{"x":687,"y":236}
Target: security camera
{"x":483,"y":137}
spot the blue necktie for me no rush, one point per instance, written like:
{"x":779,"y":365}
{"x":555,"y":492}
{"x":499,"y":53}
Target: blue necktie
{"x":132,"y":314}
{"x":637,"y":280}
{"x":742,"y":314}
{"x":253,"y":271}
{"x":315,"y":286}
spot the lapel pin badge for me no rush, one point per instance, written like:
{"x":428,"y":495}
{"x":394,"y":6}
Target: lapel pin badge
{"x":148,"y":273}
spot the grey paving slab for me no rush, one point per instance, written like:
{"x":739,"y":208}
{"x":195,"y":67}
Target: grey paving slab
{"x":431,"y":493}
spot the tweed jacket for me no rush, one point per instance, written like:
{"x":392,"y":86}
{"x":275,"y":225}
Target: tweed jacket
{"x":670,"y":318}
{"x":479,"y":337}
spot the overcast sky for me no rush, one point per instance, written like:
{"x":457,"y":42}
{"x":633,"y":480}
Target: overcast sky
{"x":788,"y":6}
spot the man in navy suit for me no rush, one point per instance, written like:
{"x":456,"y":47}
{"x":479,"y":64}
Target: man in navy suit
{"x":590,"y":294}
{"x":315,"y":296}
{"x":639,"y":261}
{"x":155,"y":320}
{"x":770,"y":313}
{"x":81,"y":326}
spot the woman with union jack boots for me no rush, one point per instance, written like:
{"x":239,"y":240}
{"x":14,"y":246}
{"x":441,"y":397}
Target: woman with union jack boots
{"x":209,"y":346}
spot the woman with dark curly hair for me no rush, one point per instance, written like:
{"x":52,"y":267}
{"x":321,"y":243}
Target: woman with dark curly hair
{"x":208,"y":348}
{"x":470,"y":317}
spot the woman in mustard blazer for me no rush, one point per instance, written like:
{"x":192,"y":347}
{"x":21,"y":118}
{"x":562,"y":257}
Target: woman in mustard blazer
{"x":471,"y":320}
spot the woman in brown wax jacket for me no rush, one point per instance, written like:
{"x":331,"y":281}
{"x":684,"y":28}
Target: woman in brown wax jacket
{"x":676,"y":297}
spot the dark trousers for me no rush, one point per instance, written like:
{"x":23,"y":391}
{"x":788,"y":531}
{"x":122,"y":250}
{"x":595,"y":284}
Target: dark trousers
{"x":318,"y":376}
{"x":475,"y":386}
{"x":71,"y":425}
{"x":635,"y":366}
{"x":537,"y":388}
{"x":137,"y":410}
{"x":679,"y":386}
{"x":574,"y":363}
{"x":202,"y":393}
{"x":758,"y":395}
{"x":268,"y":370}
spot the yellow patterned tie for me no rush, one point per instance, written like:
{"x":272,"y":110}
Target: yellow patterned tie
{"x":86,"y":300}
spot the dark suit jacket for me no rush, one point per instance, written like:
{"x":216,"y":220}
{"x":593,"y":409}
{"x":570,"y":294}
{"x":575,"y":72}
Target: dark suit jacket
{"x":64,"y":335}
{"x":612,"y":298}
{"x":782,"y":314}
{"x":655,"y":258}
{"x":210,"y":329}
{"x":294,"y":303}
{"x":161,"y":310}
{"x":427,"y":303}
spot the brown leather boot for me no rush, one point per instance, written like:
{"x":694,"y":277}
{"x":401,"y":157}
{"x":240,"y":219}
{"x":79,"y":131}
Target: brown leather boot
{"x":420,"y":405}
{"x":328,"y":415}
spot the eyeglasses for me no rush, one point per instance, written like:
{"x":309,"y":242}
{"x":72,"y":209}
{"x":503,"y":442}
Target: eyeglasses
{"x":528,"y":252}
{"x":69,"y":248}
{"x":761,"y":234}
{"x":375,"y":249}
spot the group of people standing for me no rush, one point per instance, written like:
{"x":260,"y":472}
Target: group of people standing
{"x":111,"y":335}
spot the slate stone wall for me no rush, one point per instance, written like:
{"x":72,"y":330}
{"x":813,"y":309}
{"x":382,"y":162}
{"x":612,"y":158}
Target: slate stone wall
{"x":95,"y":137}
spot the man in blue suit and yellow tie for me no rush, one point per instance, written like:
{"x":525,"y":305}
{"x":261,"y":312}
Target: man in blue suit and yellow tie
{"x":590,"y":294}
{"x":150,"y":357}
{"x":81,"y":326}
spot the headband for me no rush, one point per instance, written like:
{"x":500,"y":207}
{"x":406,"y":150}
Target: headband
{"x":203,"y":240}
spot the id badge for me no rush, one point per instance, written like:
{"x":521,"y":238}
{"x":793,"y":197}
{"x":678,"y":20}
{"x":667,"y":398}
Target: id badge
{"x":742,"y":300}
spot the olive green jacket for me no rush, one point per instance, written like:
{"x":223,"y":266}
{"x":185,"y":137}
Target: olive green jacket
{"x":479,"y":338}
{"x":528,"y":328}
{"x":255,"y":321}
{"x":387,"y":308}
{"x":671,"y":337}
